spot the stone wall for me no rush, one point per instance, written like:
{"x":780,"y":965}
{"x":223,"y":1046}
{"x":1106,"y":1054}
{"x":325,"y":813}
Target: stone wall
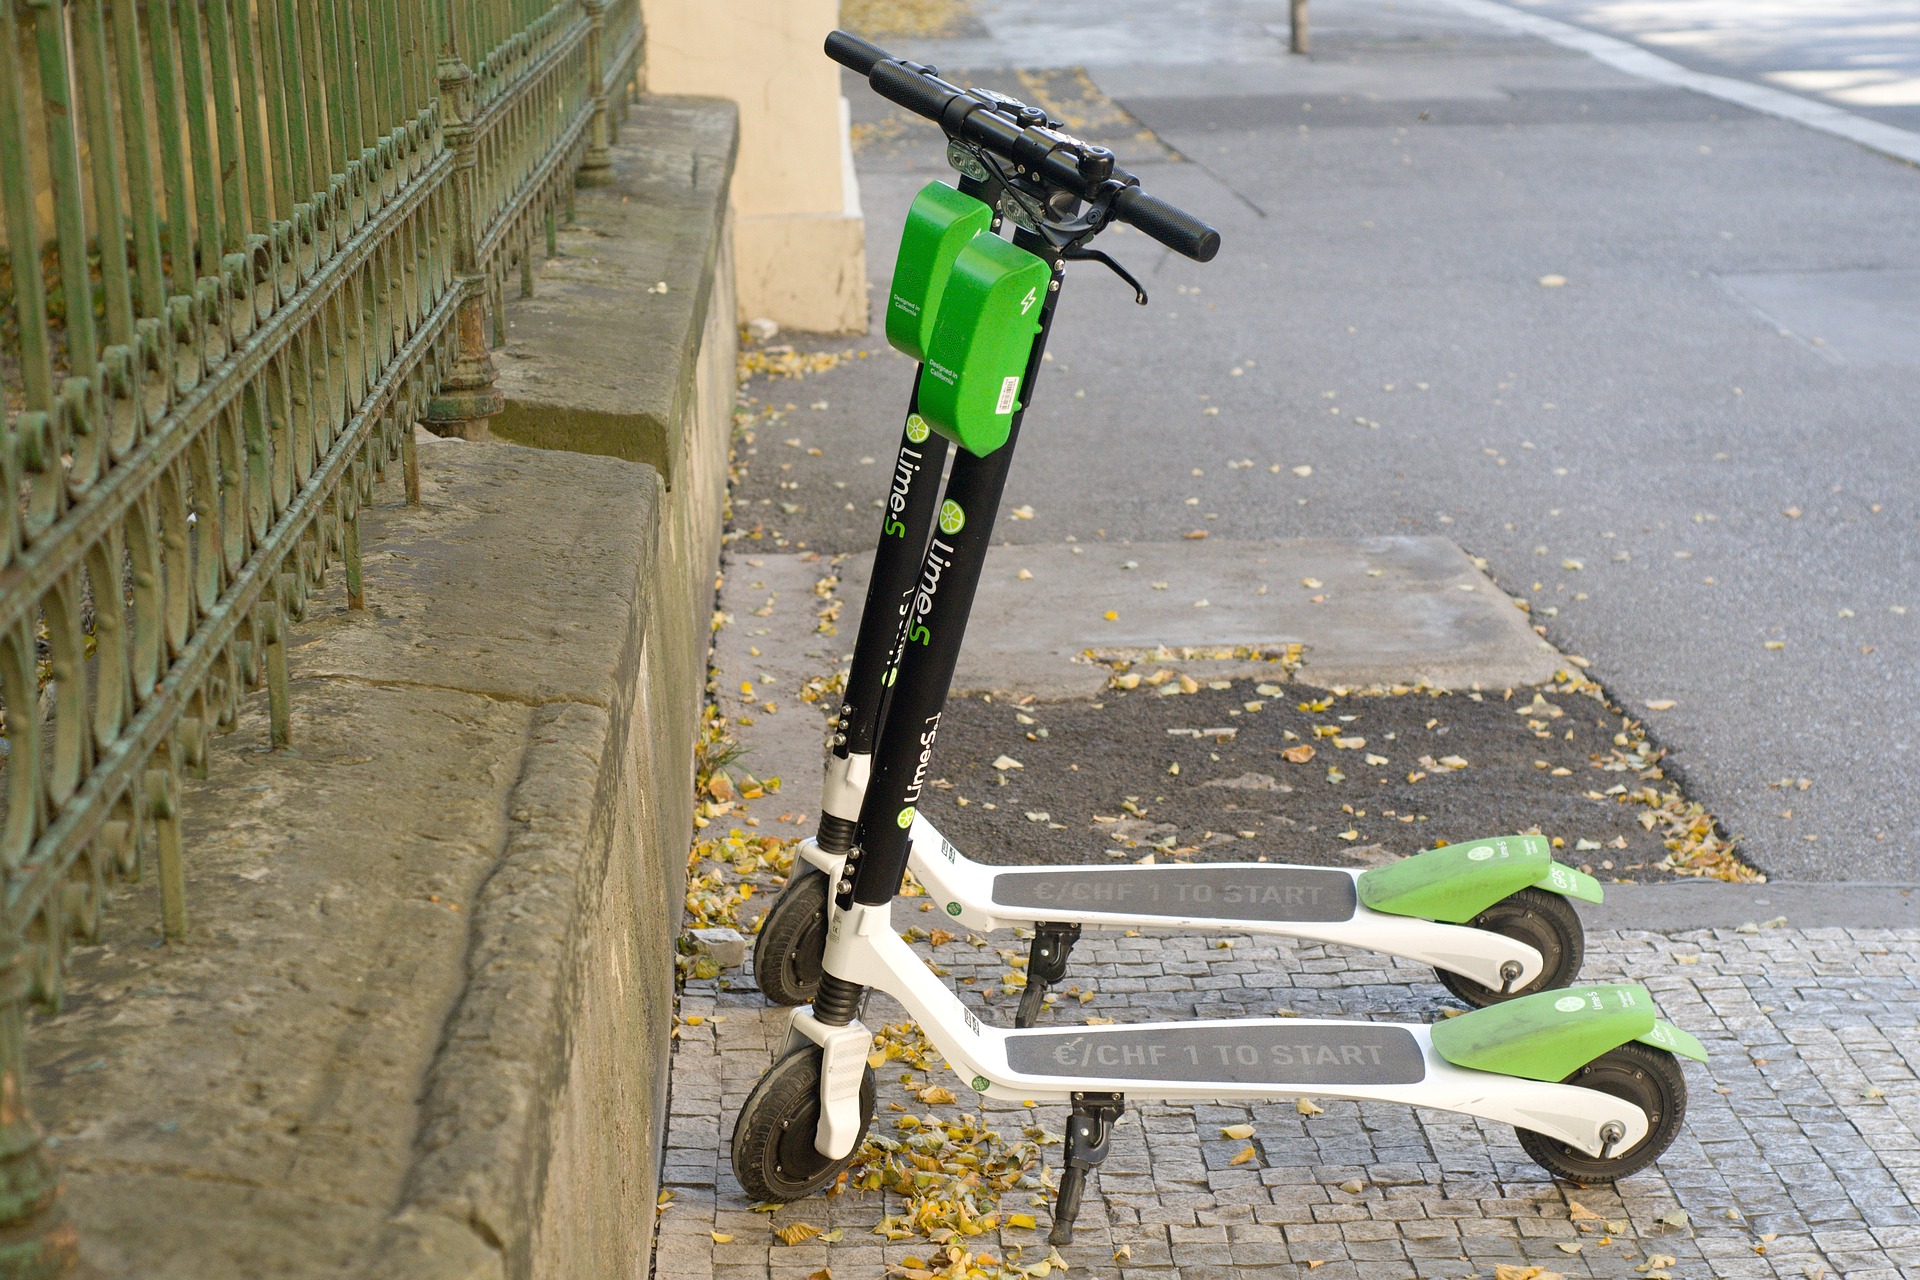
{"x":420,"y":1023}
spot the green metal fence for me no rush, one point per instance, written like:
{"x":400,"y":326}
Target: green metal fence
{"x":249,"y":243}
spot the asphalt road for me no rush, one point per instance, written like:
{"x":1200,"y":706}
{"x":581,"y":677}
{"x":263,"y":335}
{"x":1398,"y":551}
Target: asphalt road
{"x":1695,"y":457}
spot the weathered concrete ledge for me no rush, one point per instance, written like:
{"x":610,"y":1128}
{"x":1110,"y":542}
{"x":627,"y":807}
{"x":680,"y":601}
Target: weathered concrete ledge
{"x":420,"y":1025}
{"x":579,"y":369}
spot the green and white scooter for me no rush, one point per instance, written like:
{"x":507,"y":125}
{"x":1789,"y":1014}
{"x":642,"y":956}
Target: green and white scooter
{"x":1588,"y":1075}
{"x":1491,"y":916}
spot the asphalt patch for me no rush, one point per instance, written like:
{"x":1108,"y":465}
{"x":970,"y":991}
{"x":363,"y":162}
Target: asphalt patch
{"x":1096,"y":782}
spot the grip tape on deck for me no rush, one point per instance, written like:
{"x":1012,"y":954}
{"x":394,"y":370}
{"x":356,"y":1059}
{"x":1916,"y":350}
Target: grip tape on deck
{"x":1307,"y":895}
{"x":1229,"y":1053}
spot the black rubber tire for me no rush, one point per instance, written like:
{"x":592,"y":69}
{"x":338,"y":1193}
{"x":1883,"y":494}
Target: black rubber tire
{"x":1649,"y":1078}
{"x":773,"y":1152}
{"x":1542,"y":919}
{"x":792,"y":939}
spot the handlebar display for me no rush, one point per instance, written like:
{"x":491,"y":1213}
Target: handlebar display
{"x":1054,"y":160}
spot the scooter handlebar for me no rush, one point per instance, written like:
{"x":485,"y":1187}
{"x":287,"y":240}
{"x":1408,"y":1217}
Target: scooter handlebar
{"x":852,"y":52}
{"x":909,"y":89}
{"x":924,"y":95}
{"x":1179,"y":231}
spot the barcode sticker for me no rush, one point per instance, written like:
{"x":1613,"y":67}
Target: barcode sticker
{"x":1008,"y":388}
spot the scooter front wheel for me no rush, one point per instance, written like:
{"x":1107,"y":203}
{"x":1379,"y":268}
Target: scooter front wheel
{"x":1544,"y":921}
{"x":1647,"y":1077}
{"x":773,"y":1152}
{"x":792,"y":939}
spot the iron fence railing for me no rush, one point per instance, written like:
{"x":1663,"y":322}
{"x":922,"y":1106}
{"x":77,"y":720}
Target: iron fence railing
{"x":248,"y":244}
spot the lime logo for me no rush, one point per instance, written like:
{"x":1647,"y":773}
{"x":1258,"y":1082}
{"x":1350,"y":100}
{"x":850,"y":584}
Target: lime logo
{"x":953,"y":909}
{"x":917,"y":428}
{"x":981,"y":1084}
{"x":1570,"y":1004}
{"x":1480,"y":854}
{"x":905,"y":818}
{"x":892,"y":672}
{"x":952,"y":518}
{"x":1026,"y":303}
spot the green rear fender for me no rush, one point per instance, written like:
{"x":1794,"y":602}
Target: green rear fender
{"x":1551,"y":1035}
{"x":1456,"y":883}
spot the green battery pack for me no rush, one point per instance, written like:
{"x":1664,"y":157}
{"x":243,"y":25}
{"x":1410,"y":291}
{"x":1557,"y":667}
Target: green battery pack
{"x":939,"y":224}
{"x":989,"y":315}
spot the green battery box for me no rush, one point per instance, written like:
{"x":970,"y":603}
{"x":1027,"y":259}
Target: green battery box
{"x":940,"y":223}
{"x":988,"y":318}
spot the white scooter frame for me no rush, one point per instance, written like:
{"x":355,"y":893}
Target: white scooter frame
{"x":862,"y":945}
{"x":966,"y":891}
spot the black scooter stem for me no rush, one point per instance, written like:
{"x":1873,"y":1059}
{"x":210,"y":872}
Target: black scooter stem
{"x":905,"y":524}
{"x":913,"y":494}
{"x":937,"y":622}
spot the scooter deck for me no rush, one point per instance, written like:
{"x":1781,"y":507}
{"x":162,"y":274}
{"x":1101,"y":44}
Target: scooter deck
{"x":1291,"y":1054}
{"x":1319,"y":904}
{"x":1254,"y":892}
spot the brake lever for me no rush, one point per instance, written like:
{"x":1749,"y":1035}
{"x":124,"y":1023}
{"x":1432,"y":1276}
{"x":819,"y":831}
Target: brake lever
{"x":1095,"y":255}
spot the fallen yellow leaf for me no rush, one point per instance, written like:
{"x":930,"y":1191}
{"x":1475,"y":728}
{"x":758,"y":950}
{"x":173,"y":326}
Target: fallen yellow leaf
{"x":1246,"y":1153}
{"x":1297,"y":755}
{"x":1237,"y":1131}
{"x":1306,"y":1107}
{"x":797,"y":1233}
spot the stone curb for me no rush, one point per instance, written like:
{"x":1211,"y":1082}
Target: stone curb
{"x":1623,"y":55}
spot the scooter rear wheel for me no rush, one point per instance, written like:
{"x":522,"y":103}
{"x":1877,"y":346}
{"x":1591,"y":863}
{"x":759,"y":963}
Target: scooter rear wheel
{"x":773,"y":1152}
{"x":792,"y":939}
{"x":1544,"y":921}
{"x":1647,"y":1077}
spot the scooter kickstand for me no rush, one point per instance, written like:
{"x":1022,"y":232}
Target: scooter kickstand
{"x":1046,"y":965}
{"x":1089,"y":1131}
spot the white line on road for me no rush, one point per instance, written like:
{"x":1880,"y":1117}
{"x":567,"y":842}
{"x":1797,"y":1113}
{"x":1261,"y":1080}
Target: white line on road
{"x":1902,"y":144}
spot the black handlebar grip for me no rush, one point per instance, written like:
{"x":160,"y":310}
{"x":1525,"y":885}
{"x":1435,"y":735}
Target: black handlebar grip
{"x":851,"y":51}
{"x":909,"y":89}
{"x":1181,"y":232}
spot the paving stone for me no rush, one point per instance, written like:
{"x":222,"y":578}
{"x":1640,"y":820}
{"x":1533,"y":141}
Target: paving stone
{"x":1795,"y":1144}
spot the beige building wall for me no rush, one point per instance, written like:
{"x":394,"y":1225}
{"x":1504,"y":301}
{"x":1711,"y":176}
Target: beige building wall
{"x":799,"y":238}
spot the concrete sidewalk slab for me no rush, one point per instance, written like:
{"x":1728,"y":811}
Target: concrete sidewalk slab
{"x":1867,"y":317}
{"x":1370,"y":611}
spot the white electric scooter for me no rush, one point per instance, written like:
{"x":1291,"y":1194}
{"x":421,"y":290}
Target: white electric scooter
{"x":1491,"y":916}
{"x":1587,"y":1075}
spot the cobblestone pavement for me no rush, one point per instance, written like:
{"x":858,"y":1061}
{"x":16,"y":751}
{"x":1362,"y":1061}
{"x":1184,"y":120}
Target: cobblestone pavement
{"x":1800,"y":1156}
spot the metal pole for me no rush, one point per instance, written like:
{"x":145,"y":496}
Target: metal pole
{"x":1298,"y":39}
